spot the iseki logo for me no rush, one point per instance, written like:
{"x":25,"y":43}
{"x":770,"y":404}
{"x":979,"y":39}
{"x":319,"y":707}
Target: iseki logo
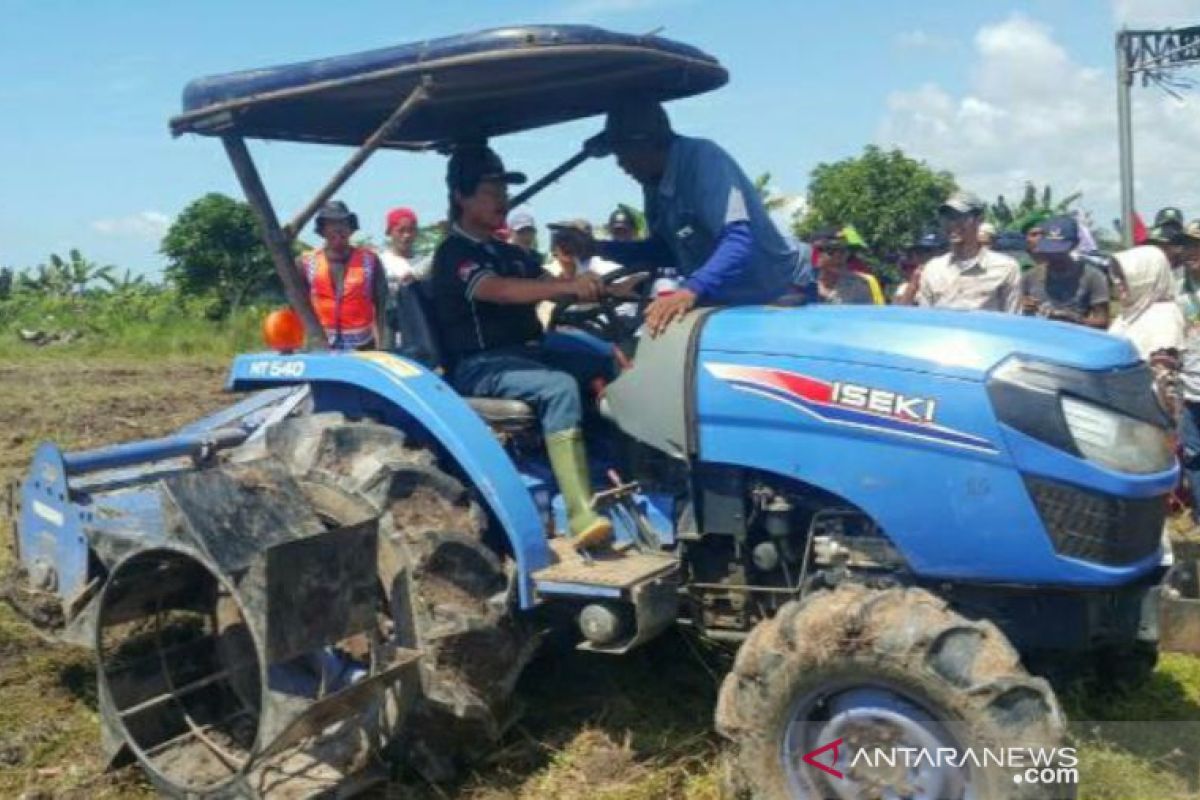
{"x":881,"y":401}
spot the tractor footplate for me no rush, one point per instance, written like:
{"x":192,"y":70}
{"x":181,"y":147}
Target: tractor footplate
{"x":603,"y":573}
{"x":627,"y":598}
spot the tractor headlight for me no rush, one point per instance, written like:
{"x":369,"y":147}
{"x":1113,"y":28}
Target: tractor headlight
{"x":1115,"y":440}
{"x":1109,"y":417}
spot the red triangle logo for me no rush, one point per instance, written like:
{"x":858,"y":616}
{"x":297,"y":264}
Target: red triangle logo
{"x":811,"y":758}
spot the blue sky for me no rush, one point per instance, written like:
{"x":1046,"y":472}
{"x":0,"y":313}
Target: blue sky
{"x":995,"y":91}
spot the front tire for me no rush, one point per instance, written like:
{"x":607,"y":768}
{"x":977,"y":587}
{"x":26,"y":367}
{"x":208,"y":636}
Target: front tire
{"x":879,"y":669}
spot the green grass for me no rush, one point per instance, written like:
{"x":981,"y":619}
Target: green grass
{"x":138,"y":326}
{"x":1143,"y":743}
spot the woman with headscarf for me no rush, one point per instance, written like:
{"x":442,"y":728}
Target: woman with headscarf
{"x":1151,"y":319}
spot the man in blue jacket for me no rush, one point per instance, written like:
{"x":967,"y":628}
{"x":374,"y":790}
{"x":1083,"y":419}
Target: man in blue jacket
{"x":705,"y":217}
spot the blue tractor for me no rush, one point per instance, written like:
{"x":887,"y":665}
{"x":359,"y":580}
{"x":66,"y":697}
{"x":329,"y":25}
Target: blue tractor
{"x":900,"y":518}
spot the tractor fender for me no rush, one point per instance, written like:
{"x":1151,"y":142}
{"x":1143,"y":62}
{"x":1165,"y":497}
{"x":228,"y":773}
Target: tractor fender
{"x":404,"y":393}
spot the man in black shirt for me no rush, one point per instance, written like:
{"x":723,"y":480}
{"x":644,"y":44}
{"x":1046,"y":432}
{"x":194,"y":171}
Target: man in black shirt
{"x":1063,"y":287}
{"x":485,"y":295}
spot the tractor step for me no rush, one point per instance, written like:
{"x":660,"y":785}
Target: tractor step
{"x":598,"y":573}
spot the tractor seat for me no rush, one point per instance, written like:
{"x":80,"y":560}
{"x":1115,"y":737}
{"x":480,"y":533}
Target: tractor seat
{"x":418,"y":340}
{"x":506,"y":416}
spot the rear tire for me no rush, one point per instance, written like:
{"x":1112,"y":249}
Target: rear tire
{"x":877,"y":667}
{"x":450,"y":595}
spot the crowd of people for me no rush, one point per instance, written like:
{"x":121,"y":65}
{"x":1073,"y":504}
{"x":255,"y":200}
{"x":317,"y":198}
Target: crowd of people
{"x":489,"y":284}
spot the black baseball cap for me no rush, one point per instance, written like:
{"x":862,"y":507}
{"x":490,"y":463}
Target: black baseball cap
{"x":573,"y":226}
{"x":471,"y":166}
{"x":637,"y":121}
{"x":1059,"y":235}
{"x":827,"y":237}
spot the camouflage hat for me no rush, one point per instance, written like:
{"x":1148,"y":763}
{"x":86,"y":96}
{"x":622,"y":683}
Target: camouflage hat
{"x":1168,"y":216}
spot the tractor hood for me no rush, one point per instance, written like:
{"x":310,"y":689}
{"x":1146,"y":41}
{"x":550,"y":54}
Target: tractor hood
{"x":953,"y":343}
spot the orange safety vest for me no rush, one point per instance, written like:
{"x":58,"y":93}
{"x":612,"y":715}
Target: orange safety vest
{"x":348,"y":319}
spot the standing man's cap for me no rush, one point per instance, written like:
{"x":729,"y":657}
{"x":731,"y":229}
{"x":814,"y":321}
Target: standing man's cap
{"x":1059,"y":235}
{"x":829,"y":237}
{"x":335,"y":211}
{"x":521,"y":220}
{"x":621,"y":219}
{"x":637,"y":121}
{"x":963,"y":203}
{"x":471,"y":166}
{"x":572,"y":226}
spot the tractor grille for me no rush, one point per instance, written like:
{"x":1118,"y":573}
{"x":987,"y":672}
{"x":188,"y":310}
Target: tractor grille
{"x":1098,"y":527}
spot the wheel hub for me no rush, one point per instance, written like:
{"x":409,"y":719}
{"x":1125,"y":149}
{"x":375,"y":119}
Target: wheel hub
{"x":889,"y":747}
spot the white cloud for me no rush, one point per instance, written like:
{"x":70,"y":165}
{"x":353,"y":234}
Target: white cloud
{"x":142,"y":225}
{"x":920,"y":39}
{"x":1031,"y":112}
{"x":1156,"y":13}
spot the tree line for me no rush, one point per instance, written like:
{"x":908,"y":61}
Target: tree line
{"x":217,"y":264}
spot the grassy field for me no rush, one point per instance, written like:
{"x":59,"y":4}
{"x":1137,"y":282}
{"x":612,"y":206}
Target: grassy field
{"x":594,"y":727}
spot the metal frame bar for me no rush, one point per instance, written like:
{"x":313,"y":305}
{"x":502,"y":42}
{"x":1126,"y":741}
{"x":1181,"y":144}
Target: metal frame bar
{"x":550,"y":177}
{"x":1125,"y":134}
{"x":279,"y":239}
{"x":278,"y":244}
{"x":151,"y":450}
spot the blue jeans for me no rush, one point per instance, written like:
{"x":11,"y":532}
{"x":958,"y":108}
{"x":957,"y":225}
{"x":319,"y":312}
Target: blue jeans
{"x":546,"y":375}
{"x":1189,"y":437}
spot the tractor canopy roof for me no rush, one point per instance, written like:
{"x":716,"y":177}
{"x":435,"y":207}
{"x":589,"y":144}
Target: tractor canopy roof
{"x":479,"y":85}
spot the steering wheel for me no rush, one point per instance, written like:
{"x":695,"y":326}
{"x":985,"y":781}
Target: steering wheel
{"x":603,"y":318}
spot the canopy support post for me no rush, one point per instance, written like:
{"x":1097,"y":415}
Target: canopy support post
{"x":414,"y":100}
{"x":591,"y":147}
{"x":279,"y":245}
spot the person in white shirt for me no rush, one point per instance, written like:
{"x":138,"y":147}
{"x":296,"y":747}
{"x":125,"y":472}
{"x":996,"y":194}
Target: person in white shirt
{"x":573,"y":250}
{"x":970,"y":277}
{"x":400,"y":263}
{"x":573,"y":253}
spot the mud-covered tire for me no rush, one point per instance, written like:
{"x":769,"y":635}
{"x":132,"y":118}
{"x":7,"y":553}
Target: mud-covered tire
{"x":450,"y":595}
{"x":905,"y":641}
